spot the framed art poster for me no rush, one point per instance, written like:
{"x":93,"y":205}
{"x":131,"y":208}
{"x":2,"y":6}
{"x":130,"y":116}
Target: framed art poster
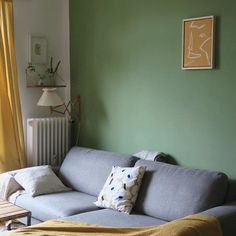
{"x":37,"y":50}
{"x":198,"y":43}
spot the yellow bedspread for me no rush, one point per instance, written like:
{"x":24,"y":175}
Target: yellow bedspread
{"x":194,"y":225}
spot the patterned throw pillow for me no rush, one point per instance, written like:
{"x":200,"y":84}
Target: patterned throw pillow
{"x":120,"y":190}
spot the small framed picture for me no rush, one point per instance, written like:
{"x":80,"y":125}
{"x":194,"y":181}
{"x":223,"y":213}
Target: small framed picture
{"x":37,"y":49}
{"x":198,"y":43}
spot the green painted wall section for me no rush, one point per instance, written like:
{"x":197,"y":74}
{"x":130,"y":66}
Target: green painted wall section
{"x":125,"y":64}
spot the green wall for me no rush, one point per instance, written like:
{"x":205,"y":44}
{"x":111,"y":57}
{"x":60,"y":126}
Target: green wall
{"x":125,"y":64}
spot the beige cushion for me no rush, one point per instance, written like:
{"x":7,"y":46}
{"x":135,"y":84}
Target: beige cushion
{"x":39,"y":180}
{"x":121,"y":188}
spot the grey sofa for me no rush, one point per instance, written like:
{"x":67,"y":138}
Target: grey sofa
{"x":167,"y":193}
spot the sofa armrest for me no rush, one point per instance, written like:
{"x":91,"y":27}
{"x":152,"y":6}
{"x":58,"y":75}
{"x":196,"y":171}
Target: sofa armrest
{"x":226,"y":215}
{"x":8,"y":185}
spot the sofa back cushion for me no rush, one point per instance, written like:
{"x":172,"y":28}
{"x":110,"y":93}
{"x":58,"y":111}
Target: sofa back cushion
{"x":170,"y":192}
{"x":231,"y":193}
{"x":86,"y":170}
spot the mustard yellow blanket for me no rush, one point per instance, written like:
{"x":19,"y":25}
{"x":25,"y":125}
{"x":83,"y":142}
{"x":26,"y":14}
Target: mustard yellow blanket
{"x":194,"y":225}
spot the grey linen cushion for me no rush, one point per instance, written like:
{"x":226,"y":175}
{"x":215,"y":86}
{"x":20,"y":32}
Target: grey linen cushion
{"x":86,"y":170}
{"x":170,"y":192}
{"x":56,"y":205}
{"x":108,"y":217}
{"x":39,"y":180}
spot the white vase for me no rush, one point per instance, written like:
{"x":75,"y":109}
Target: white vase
{"x":40,"y":82}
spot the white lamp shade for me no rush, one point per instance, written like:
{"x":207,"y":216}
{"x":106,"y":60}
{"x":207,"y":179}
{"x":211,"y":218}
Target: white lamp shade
{"x":49,"y":98}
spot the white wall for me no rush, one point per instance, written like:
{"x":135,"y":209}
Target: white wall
{"x":49,"y":18}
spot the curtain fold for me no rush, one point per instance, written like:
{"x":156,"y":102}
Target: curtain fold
{"x":12,"y":153}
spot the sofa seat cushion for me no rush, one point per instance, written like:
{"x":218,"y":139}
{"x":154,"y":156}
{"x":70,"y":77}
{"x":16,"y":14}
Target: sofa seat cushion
{"x":108,"y":217}
{"x":56,"y":205}
{"x":170,"y":192}
{"x":86,"y":170}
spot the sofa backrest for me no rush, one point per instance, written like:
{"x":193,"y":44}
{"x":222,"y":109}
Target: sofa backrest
{"x":170,"y":192}
{"x":231,"y":193}
{"x":86,"y":170}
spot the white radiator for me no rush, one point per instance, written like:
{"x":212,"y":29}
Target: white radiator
{"x":47,"y":140}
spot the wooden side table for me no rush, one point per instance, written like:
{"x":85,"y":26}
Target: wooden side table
{"x":9,"y":211}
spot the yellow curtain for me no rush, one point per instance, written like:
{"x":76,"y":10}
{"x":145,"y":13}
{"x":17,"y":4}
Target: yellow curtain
{"x":11,"y":130}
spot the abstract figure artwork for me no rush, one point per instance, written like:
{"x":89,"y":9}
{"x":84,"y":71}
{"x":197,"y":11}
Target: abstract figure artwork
{"x":198,"y":43}
{"x":37,"y":49}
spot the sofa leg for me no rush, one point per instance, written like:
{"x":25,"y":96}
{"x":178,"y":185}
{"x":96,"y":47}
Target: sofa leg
{"x":29,"y":219}
{"x":8,"y":225}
